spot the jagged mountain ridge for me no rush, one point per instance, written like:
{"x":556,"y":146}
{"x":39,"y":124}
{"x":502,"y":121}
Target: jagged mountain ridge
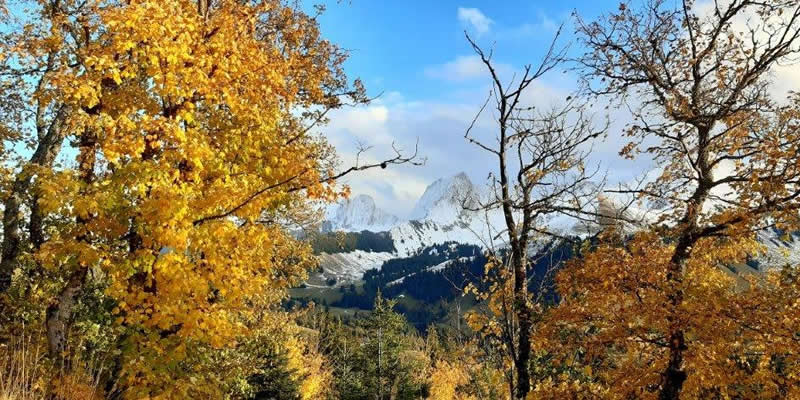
{"x":446,"y":212}
{"x":359,"y":213}
{"x":445,"y":200}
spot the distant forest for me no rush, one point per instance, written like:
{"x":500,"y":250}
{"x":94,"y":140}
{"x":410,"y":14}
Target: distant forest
{"x":344,"y":242}
{"x":413,"y":277}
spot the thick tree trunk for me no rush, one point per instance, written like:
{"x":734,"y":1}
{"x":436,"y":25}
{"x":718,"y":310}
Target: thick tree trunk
{"x":674,"y":376}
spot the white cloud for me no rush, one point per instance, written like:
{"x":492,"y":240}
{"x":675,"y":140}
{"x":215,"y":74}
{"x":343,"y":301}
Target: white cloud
{"x":787,"y":79}
{"x":461,"y":69}
{"x":439,"y":125}
{"x":465,"y":68}
{"x":475,"y":18}
{"x":363,"y":125}
{"x":544,"y":26}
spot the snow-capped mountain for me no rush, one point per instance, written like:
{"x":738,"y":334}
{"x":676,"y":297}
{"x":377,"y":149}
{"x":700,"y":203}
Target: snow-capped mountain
{"x":439,"y":216}
{"x":357,"y":214}
{"x":445,"y":199}
{"x":445,"y":213}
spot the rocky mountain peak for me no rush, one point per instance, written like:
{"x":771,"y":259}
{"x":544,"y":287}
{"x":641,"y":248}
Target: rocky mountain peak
{"x":444,"y":199}
{"x":360,"y":213}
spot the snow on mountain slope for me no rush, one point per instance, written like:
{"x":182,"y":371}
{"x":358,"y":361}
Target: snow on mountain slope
{"x":348,"y":267}
{"x":779,"y":249}
{"x":439,"y":216}
{"x":434,"y":268}
{"x":358,"y":214}
{"x":412,"y":236}
{"x":443,"y":265}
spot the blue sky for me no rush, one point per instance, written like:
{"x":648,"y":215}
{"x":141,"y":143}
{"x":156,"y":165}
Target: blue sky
{"x":393,"y":43}
{"x":415,"y":53}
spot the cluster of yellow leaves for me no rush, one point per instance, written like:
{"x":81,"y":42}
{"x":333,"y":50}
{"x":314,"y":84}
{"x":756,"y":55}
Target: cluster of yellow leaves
{"x":465,"y":373}
{"x":614,"y":304}
{"x":497,"y":279}
{"x":445,"y":379}
{"x":309,"y":369}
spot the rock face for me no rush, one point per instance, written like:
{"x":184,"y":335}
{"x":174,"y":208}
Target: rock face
{"x":445,"y":199}
{"x":360,"y":214}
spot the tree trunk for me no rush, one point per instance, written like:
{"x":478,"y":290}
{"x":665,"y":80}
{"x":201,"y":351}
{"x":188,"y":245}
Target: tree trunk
{"x":524,"y":318}
{"x":674,"y":376}
{"x":59,"y":314}
{"x":12,"y":232}
{"x":36,"y":224}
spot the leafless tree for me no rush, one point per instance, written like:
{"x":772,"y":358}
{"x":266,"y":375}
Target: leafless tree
{"x":541,"y":172}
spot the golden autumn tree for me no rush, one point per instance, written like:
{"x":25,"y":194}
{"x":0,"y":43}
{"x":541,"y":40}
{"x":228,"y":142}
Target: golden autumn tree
{"x":661,"y":315}
{"x":461,"y":370}
{"x":191,"y":124}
